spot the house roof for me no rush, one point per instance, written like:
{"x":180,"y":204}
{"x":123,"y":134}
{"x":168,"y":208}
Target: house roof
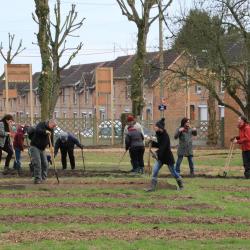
{"x":84,"y":74}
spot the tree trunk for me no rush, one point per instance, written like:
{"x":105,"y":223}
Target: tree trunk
{"x":45,"y":80}
{"x":212,"y":137}
{"x":137,"y":74}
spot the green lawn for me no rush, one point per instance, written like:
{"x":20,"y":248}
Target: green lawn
{"x":116,"y":213}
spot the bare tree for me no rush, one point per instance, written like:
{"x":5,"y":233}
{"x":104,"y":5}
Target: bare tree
{"x":11,"y":53}
{"x":52,"y":41}
{"x":139,"y":13}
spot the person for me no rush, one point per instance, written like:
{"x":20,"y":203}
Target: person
{"x":18,"y":145}
{"x":5,"y":140}
{"x":164,"y":155}
{"x":66,"y":143}
{"x":136,"y":125}
{"x":244,"y":141}
{"x":38,"y":144}
{"x":134,"y":142}
{"x":132,"y":122}
{"x":185,"y":148}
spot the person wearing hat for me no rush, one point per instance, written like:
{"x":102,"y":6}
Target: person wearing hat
{"x":244,"y":141}
{"x":164,"y":155}
{"x":185,"y":147}
{"x":134,"y":142}
{"x":66,"y":143}
{"x":18,"y":145}
{"x":132,"y":123}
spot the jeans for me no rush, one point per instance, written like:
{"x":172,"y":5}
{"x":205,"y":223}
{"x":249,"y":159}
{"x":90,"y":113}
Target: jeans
{"x":17,"y":163}
{"x":158,"y":166}
{"x":190,"y":162}
{"x":39,"y":162}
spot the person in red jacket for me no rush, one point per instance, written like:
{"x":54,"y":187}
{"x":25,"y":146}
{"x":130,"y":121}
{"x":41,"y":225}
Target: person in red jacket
{"x":18,"y":145}
{"x":244,"y":141}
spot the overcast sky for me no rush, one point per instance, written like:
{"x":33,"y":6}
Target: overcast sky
{"x":106,"y":34}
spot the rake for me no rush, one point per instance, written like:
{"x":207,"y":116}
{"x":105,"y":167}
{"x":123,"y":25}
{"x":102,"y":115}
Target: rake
{"x":51,"y":149}
{"x":228,"y":159}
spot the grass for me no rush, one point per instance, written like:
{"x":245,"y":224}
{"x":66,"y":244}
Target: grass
{"x":104,"y":213}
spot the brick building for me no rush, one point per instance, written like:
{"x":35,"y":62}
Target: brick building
{"x":77,"y":98}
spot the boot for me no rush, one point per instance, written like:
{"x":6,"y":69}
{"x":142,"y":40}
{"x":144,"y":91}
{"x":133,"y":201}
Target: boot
{"x":153,"y":186}
{"x":141,"y":170}
{"x":180,"y":183}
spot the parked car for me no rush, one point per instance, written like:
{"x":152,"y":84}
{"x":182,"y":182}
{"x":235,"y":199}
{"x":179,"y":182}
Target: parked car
{"x":87,"y":132}
{"x":148,"y":134}
{"x":105,"y":129}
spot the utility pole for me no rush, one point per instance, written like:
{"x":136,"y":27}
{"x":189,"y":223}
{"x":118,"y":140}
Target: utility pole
{"x":161,"y":58}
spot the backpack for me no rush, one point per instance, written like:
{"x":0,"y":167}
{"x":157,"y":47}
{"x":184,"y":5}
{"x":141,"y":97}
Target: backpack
{"x":31,"y":131}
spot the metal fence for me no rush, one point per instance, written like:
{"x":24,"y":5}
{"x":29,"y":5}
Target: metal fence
{"x":94,"y":132}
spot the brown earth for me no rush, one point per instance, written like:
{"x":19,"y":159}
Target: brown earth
{"x":119,"y":234}
{"x":96,"y":205}
{"x":66,"y":219}
{"x":39,"y":194}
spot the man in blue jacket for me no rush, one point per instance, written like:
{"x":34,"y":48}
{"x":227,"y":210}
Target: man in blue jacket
{"x":66,"y":143}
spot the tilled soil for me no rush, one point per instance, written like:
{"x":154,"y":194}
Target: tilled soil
{"x":66,"y":219}
{"x":98,"y":205}
{"x":44,"y":194}
{"x":119,"y":234}
{"x":107,"y":173}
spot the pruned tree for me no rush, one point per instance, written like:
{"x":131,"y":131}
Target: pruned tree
{"x":198,"y":36}
{"x":231,"y":46}
{"x":139,"y":13}
{"x":11,"y":53}
{"x":52,"y":41}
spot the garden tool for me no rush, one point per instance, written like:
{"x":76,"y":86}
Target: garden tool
{"x":148,"y":169}
{"x":51,"y":149}
{"x":83,"y":162}
{"x":228,"y":159}
{"x":122,"y":157}
{"x":30,"y":164}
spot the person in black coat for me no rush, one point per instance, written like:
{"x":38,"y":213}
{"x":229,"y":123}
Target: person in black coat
{"x":66,"y":143}
{"x":164,"y":155}
{"x":38,"y":144}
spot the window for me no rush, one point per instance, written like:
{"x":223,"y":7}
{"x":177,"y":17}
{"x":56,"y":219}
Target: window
{"x":222,"y":82}
{"x":128,"y":91}
{"x":198,"y":89}
{"x":84,"y":118}
{"x":203,"y":115}
{"x":55,"y":114}
{"x":221,"y":111}
{"x":222,"y":86}
{"x":64,"y":115}
{"x":75,"y":98}
{"x":192,"y":112}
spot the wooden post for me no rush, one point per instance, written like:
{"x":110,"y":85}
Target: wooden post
{"x":6,"y":89}
{"x":31,"y":99}
{"x":112,"y":106}
{"x":97,"y":107}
